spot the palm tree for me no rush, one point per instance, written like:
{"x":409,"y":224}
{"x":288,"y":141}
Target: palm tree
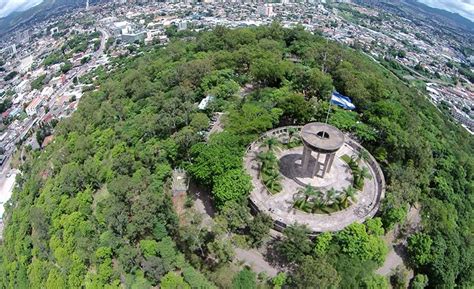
{"x":292,"y":131}
{"x":348,"y":194}
{"x":360,"y":176}
{"x":308,"y":192}
{"x":272,"y":181}
{"x":363,"y":155}
{"x":317,"y":204}
{"x":268,"y":161}
{"x":365,"y":173}
{"x":330,"y":196}
{"x":270,"y":142}
{"x":303,"y":195}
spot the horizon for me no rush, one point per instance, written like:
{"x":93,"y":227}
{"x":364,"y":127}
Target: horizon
{"x":463,"y":8}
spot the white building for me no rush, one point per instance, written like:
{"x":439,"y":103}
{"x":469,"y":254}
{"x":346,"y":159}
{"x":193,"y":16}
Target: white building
{"x":25,"y":64}
{"x":23,"y":86}
{"x":33,"y":107}
{"x":265,"y":10}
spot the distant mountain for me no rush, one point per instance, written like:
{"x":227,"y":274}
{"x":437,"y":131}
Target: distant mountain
{"x":415,"y":10}
{"x":455,"y":17}
{"x":39,"y":12}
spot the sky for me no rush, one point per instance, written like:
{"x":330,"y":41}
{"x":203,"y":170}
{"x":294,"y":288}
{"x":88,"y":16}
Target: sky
{"x":464,"y":8}
{"x":8,"y":6}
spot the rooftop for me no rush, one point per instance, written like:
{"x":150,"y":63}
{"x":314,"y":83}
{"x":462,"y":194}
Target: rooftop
{"x":322,"y":137}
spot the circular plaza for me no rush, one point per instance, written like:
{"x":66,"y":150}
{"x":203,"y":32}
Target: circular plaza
{"x":313,"y":175}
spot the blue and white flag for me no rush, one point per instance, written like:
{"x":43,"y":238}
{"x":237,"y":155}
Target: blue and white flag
{"x":342,"y":101}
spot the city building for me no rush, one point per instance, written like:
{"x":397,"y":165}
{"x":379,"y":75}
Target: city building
{"x":34,"y":106}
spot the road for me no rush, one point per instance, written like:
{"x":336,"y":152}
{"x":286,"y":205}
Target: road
{"x":81,"y":70}
{"x":7,"y":175}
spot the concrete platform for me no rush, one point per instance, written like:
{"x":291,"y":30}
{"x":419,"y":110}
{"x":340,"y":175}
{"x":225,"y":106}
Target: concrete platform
{"x":280,"y":206}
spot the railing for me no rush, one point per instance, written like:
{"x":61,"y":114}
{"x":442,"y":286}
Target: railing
{"x":277,"y":132}
{"x":379,"y":178}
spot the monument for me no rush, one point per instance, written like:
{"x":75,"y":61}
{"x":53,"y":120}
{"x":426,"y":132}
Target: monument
{"x":320,"y":179}
{"x":323,"y":139}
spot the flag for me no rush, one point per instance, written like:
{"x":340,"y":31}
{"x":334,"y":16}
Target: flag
{"x":342,"y":101}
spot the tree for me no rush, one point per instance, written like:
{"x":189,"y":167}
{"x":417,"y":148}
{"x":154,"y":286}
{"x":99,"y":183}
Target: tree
{"x":357,"y":243}
{"x":375,"y":226}
{"x":399,"y":278}
{"x":348,"y":194}
{"x":330,"y":196}
{"x":419,"y":248}
{"x":173,"y":281}
{"x":220,"y":251}
{"x":309,"y":192}
{"x":66,"y":67}
{"x":149,"y":248}
{"x":55,"y":279}
{"x":245,"y":279}
{"x":316,"y":84}
{"x":213,"y":160}
{"x":296,"y":110}
{"x":231,"y":186}
{"x":291,"y":133}
{"x":419,"y":282}
{"x":279,"y":280}
{"x":392,"y":211}
{"x":251,"y":120}
{"x":268,"y":70}
{"x":315,"y":274}
{"x":295,"y":243}
{"x":375,"y":282}
{"x":259,"y":228}
{"x":236,"y":215}
{"x":270,"y":142}
{"x":322,"y":243}
{"x":268,"y":161}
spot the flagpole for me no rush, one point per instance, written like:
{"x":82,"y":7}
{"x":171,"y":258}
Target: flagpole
{"x":329,"y":108}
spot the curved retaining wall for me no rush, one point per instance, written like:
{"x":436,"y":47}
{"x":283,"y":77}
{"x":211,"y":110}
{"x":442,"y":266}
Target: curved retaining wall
{"x":282,"y":134}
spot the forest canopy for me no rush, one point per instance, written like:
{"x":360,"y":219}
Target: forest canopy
{"x":94,"y":209}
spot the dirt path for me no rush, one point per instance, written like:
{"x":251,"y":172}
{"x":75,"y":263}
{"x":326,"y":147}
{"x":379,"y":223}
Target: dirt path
{"x":217,"y":125}
{"x":255,"y":260}
{"x":397,"y":248}
{"x":202,"y":203}
{"x":393,"y":259}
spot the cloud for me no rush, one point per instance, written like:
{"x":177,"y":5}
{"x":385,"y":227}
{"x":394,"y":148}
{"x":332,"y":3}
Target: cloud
{"x":9,"y":6}
{"x":464,"y":8}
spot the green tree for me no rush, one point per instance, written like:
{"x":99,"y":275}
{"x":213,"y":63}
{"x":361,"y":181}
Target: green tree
{"x":419,"y":248}
{"x":357,"y":243}
{"x":231,"y":186}
{"x":375,"y":282}
{"x":375,"y":226}
{"x":279,"y":280}
{"x":322,"y":243}
{"x":315,"y":273}
{"x":259,"y":228}
{"x":245,"y":279}
{"x":420,"y":281}
{"x":173,"y":281}
{"x":295,"y":243}
{"x":149,"y":248}
{"x":399,"y":278}
{"x":55,"y":279}
{"x":296,"y":110}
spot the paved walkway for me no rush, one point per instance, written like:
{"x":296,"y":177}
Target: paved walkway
{"x":280,"y":206}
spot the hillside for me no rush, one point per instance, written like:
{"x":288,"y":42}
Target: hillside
{"x":43,"y":11}
{"x":439,"y":22}
{"x":94,"y":209}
